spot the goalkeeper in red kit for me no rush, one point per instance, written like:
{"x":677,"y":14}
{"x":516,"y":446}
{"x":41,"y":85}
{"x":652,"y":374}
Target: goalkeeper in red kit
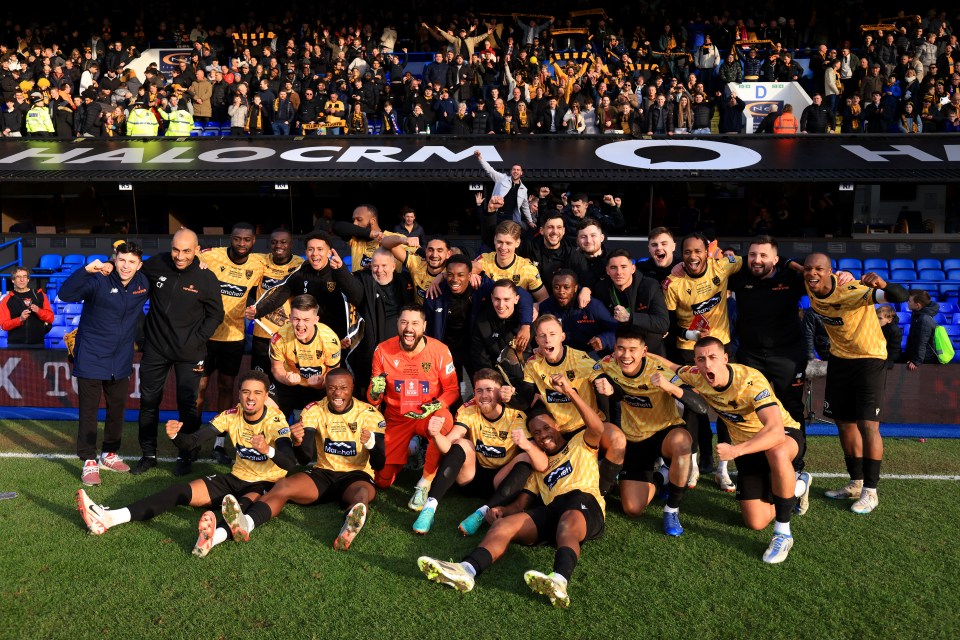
{"x":416,"y":378}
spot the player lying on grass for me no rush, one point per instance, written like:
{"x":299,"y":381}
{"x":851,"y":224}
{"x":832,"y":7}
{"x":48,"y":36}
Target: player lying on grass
{"x":264,"y":454}
{"x":348,"y":437}
{"x":562,"y":505}
{"x":652,"y":425}
{"x":487,"y":452}
{"x":765,"y":440}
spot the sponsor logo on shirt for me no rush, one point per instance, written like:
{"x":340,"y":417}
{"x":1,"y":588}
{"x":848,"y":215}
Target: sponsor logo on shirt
{"x":730,"y":417}
{"x":701,"y":308}
{"x":555,"y":397}
{"x":232,"y":290}
{"x":640,"y":402}
{"x":552,"y":478}
{"x":763,"y":394}
{"x":246,"y":453}
{"x":339,"y":448}
{"x":491,"y":452}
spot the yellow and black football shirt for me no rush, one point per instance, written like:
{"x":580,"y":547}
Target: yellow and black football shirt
{"x":361,"y":252}
{"x":274,"y":274}
{"x":521,"y":271}
{"x":339,"y":447}
{"x":579,"y":369}
{"x":236,"y":282}
{"x":491,"y":438}
{"x":417,"y":267}
{"x":704,"y":295}
{"x":573,"y":468}
{"x":850,"y":320}
{"x":645,"y":408}
{"x":251,"y":465}
{"x":737,"y":403}
{"x":313,"y":358}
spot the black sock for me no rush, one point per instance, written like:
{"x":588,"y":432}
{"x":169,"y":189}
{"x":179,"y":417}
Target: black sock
{"x":244,"y":503}
{"x":450,"y":466}
{"x":608,"y":475}
{"x":479,"y":559}
{"x":564,"y":562}
{"x":511,"y":485}
{"x":675,"y":495}
{"x":783,"y":507}
{"x":151,"y":506}
{"x":854,"y":467}
{"x":260,"y":513}
{"x":871,"y":473}
{"x":657,"y":483}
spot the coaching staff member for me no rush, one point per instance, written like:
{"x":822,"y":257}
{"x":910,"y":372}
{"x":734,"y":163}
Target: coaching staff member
{"x":185,"y":310}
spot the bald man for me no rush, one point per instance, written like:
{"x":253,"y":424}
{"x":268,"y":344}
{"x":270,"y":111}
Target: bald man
{"x":856,"y":371}
{"x":185,"y":310}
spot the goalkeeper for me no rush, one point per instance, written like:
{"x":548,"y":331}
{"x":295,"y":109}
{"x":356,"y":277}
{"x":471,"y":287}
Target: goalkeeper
{"x":416,"y":378}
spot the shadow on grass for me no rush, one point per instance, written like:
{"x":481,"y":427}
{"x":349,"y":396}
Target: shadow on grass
{"x":66,"y":511}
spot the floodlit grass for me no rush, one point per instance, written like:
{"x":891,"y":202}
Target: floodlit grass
{"x":887,"y":575}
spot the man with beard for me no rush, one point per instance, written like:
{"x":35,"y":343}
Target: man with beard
{"x":765,"y":440}
{"x":503,"y":322}
{"x":697,"y":296}
{"x":345,"y":437}
{"x":417,"y":379}
{"x":551,"y":249}
{"x":277,"y":265}
{"x":571,"y":509}
{"x":590,"y":243}
{"x":663,"y":259}
{"x":301,"y":353}
{"x":364,"y":236}
{"x":588,"y":327}
{"x":856,"y":372}
{"x":768,"y":325}
{"x":634,"y":299}
{"x":322,"y":276}
{"x":239,"y":273}
{"x":261,"y":438}
{"x":483,"y":453}
{"x":423,"y":270}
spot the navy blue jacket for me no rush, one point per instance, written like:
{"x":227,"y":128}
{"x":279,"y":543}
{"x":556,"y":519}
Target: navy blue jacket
{"x":580,"y":325}
{"x":108,"y":322}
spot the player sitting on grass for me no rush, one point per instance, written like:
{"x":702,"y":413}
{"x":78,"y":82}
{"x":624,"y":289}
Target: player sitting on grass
{"x":568,"y":511}
{"x":765,"y":440}
{"x":652,"y":425}
{"x":487,"y":452}
{"x":348,"y":436}
{"x":264,"y":453}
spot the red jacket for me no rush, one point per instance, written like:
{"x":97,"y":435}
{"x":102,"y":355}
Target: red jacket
{"x":37,"y":324}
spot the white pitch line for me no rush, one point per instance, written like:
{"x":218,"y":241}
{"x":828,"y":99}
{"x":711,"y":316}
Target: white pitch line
{"x":883,"y":476}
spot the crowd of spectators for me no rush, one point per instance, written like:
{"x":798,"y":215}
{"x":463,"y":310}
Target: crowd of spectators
{"x":652,"y":71}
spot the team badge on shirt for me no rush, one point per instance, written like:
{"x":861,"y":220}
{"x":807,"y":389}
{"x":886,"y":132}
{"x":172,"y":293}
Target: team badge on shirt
{"x":571,"y":375}
{"x":331,"y":286}
{"x":426,"y":366}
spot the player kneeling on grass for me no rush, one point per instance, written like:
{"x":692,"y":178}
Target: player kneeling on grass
{"x":488,"y":453}
{"x":652,"y":425}
{"x":765,"y":440}
{"x":569,"y":509}
{"x":348,"y":437}
{"x":264,"y":452}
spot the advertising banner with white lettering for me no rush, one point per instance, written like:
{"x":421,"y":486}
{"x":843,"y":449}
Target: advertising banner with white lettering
{"x":802,"y":158}
{"x":43,"y":379}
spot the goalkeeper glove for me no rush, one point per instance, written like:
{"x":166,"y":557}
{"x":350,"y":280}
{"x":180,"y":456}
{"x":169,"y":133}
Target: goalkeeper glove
{"x":425,"y":410}
{"x":377,"y":386}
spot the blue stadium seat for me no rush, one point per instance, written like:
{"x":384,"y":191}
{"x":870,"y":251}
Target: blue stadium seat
{"x":98,"y":256}
{"x":226,"y":130}
{"x":49,"y":263}
{"x":954,"y":275}
{"x":903,"y":275}
{"x":211,"y":133}
{"x":833,"y":264}
{"x":854,"y":272}
{"x":902,"y":263}
{"x":940,"y":318}
{"x":949,"y":290}
{"x":72,"y":262}
{"x":930,"y":287}
{"x":956,"y":318}
{"x":948,"y":307}
{"x":54,"y":339}
{"x":804,"y":302}
{"x":928,"y":263}
{"x":76,"y":322}
{"x":932,"y":275}
{"x":883,"y":273}
{"x":872,"y":264}
{"x":846,"y":264}
{"x":3,"y":339}
{"x":951,"y":263}
{"x":903,"y":317}
{"x":59,"y":320}
{"x":71,"y":311}
{"x":953,"y":330}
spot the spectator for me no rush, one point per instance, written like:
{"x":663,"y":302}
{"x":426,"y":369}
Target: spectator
{"x":201,"y":92}
{"x":512,"y":190}
{"x":25,"y":313}
{"x":892,"y":332}
{"x":817,"y":117}
{"x":731,"y":113}
{"x":920,"y":346}
{"x":409,"y":226}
